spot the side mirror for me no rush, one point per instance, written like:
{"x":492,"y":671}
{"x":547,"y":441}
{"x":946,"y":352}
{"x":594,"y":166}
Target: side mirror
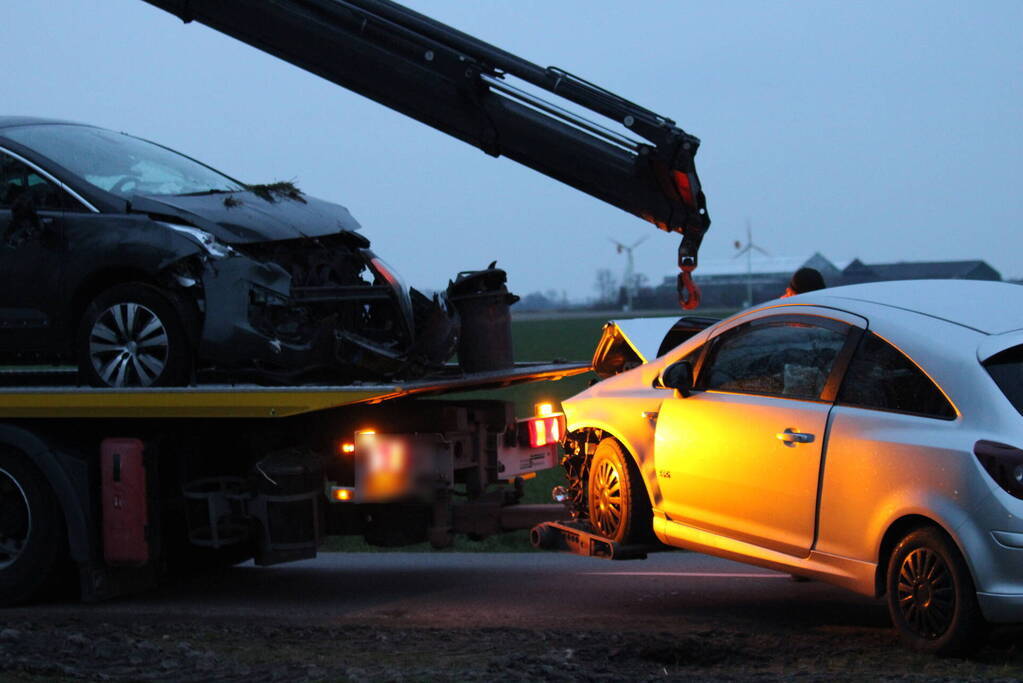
{"x":677,"y":376}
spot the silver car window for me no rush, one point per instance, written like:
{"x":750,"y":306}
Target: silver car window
{"x":1006,"y":369}
{"x":882,"y":378}
{"x":775,"y":358}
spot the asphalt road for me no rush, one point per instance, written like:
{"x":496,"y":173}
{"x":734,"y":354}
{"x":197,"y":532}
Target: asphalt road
{"x":528,"y":590}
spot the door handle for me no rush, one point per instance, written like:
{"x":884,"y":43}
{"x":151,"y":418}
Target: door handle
{"x":791,"y":437}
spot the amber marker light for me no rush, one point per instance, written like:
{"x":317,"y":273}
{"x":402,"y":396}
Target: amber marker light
{"x":347,"y":448}
{"x":341,"y":494}
{"x":544,"y":409}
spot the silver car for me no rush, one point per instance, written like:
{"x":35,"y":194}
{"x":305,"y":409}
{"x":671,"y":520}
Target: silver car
{"x":868,"y":436}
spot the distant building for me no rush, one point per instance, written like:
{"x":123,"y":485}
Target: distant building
{"x":857,"y":271}
{"x":727,"y":284}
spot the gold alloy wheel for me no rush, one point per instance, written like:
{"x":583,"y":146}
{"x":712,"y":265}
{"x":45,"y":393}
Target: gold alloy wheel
{"x":607,"y":489}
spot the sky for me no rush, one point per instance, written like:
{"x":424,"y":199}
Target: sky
{"x":888,"y":131}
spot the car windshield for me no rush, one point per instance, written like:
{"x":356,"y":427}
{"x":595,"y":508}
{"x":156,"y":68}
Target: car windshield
{"x":1006,"y":369}
{"x":119,"y":163}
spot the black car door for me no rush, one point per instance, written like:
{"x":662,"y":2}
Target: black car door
{"x":32,"y":209}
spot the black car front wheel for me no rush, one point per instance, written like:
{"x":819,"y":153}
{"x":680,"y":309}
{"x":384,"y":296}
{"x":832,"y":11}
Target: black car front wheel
{"x":931,"y":596}
{"x":132,"y":336}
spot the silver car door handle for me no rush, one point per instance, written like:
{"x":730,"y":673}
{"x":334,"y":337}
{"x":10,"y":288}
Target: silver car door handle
{"x":790,"y":436}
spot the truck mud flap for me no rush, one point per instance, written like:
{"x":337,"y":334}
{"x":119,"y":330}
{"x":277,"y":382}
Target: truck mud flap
{"x":578,"y":538}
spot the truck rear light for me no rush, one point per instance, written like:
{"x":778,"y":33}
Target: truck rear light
{"x":386,"y":456}
{"x":541,"y":431}
{"x":342,"y":494}
{"x":393,"y":466}
{"x":1004,"y":463}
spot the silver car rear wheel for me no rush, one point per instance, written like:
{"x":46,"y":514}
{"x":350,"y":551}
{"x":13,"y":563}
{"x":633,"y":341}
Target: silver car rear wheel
{"x":926,"y":593}
{"x":931,"y":595}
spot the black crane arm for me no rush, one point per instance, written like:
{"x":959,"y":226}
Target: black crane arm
{"x":462,"y":86}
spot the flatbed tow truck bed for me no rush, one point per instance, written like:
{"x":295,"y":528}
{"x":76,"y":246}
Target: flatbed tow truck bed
{"x":123,"y":484}
{"x":32,"y":398}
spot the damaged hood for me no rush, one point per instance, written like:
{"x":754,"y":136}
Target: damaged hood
{"x":244,"y":217}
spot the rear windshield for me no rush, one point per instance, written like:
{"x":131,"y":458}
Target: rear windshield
{"x":119,"y":163}
{"x":1006,"y":369}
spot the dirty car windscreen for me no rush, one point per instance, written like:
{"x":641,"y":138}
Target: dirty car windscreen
{"x":119,"y":163}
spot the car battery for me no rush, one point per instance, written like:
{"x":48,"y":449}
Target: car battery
{"x":124,"y":502}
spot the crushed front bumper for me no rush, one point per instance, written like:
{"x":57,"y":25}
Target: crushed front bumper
{"x":256,"y":320}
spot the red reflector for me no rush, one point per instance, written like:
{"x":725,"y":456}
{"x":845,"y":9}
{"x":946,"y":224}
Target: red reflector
{"x":683,"y":186}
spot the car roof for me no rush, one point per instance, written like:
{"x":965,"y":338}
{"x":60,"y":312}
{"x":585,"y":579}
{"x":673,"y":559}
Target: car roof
{"x":984,"y":306}
{"x":13,"y":121}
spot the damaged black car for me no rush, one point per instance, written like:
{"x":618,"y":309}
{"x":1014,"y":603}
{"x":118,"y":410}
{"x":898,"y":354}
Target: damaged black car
{"x":144,"y":267}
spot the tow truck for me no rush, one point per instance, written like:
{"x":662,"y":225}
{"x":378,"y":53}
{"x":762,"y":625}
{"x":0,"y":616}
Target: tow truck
{"x":104,"y":489}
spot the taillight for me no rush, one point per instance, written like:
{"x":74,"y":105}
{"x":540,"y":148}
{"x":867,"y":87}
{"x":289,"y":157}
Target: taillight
{"x":542,"y":431}
{"x":1004,"y":463}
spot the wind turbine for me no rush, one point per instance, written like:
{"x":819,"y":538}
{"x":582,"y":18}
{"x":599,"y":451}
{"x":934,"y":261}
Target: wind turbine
{"x":748,"y":249}
{"x":628,"y":278}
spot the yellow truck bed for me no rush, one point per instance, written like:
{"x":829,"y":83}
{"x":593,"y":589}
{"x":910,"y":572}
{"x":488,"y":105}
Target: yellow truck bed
{"x":249,"y":400}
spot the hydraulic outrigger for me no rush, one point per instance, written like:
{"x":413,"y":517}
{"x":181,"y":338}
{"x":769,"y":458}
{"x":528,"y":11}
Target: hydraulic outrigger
{"x":464,"y":87}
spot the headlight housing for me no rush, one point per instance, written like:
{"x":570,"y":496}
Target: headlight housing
{"x":210,"y":245}
{"x":391,"y":277}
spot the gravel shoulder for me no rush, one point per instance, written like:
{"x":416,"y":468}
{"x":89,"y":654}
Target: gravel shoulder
{"x":155,"y":650}
{"x":480,"y":617}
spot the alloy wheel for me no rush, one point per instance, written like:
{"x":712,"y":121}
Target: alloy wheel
{"x":128,"y":345}
{"x":15,"y":520}
{"x":607,"y":492}
{"x":926,"y":593}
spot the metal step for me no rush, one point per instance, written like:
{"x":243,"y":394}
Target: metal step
{"x":579,"y":538}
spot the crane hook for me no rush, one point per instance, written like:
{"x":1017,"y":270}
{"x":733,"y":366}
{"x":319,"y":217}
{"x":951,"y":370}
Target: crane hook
{"x":688,"y":292}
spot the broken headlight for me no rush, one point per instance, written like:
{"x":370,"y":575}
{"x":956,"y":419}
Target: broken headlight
{"x":391,"y":277}
{"x":210,"y":245}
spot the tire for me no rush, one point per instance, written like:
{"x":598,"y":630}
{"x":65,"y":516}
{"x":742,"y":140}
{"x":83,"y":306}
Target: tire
{"x":618,"y":504}
{"x":33,"y":537}
{"x":131,"y":335}
{"x":931,"y":596}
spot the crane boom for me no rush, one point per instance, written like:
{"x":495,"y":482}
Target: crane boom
{"x":465,"y":87}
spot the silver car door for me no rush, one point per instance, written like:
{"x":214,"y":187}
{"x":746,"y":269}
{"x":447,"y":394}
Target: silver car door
{"x":740,"y":457}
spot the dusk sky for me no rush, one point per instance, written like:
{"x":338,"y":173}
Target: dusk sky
{"x":888,"y":131}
